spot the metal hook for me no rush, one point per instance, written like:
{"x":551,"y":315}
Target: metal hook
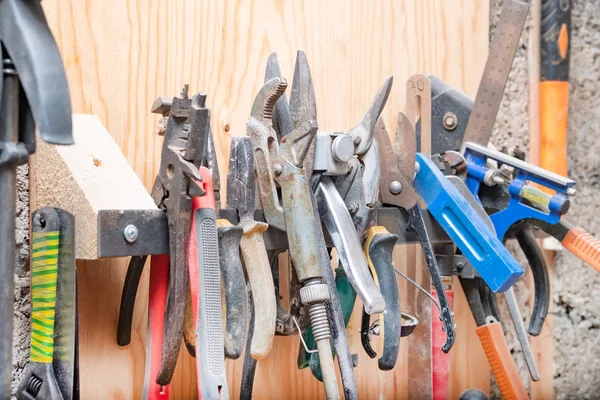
{"x":302,"y":339}
{"x":415,"y":284}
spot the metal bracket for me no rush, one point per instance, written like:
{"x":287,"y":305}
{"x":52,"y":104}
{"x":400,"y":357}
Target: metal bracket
{"x":114,"y":240}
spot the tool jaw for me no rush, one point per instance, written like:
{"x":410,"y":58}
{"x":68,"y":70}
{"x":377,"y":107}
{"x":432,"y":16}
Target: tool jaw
{"x":265,"y":146}
{"x":395,"y":188}
{"x":362,"y":133}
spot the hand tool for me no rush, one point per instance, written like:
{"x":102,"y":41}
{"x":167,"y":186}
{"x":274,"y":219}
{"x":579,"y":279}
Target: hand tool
{"x":555,"y":47}
{"x":336,"y":217}
{"x":333,"y":149}
{"x":241,"y":196}
{"x":284,"y":164}
{"x":51,"y":371}
{"x":205,"y":281}
{"x":33,"y":94}
{"x":173,"y":189}
{"x":452,"y":209}
{"x":493,"y":341}
{"x":396,"y":188}
{"x":181,"y":191}
{"x":236,"y":312}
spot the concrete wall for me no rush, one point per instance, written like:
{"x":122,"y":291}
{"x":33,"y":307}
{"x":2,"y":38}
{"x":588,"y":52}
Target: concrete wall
{"x":576,"y":312}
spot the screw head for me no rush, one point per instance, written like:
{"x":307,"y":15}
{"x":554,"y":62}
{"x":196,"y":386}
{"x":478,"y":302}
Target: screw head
{"x":395,"y":187}
{"x":130,"y":233}
{"x":277,"y":169}
{"x":450,"y":121}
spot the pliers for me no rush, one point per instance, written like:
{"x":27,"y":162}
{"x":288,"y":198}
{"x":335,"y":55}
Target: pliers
{"x":288,"y":164}
{"x":184,"y":190}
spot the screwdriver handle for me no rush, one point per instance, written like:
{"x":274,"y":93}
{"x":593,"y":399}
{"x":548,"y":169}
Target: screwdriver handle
{"x":258,"y":268}
{"x":503,"y":366}
{"x":584,"y":246}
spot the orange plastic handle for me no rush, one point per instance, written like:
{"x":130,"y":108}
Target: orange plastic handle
{"x":502,"y":364}
{"x":584,"y":246}
{"x":554,"y":109}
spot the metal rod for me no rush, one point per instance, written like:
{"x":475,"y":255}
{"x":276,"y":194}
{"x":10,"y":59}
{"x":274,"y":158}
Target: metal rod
{"x":328,"y":369}
{"x":9,"y":133}
{"x":515,"y":315}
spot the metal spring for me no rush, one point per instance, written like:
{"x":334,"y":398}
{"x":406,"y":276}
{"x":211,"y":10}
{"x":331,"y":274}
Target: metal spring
{"x":273,"y":97}
{"x":34,"y":385}
{"x":319,"y":321}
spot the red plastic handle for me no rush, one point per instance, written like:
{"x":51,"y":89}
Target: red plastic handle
{"x":157,"y":304}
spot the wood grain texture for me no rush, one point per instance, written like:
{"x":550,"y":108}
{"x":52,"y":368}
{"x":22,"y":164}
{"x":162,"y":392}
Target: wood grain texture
{"x":120,"y":55}
{"x":90,"y":176}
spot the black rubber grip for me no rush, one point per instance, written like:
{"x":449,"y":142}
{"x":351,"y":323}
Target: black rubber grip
{"x":541,"y":281}
{"x":380,"y":252}
{"x":130,"y":287}
{"x":234,"y":286}
{"x":555,"y":40}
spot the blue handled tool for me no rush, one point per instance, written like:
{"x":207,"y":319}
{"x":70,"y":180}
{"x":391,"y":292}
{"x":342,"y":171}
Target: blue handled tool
{"x":554,"y":206}
{"x":449,"y":206}
{"x":478,"y":243}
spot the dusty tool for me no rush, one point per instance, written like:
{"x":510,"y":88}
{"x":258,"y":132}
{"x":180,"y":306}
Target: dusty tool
{"x":284,"y":164}
{"x":396,"y":188}
{"x":204,"y":273}
{"x":302,"y":108}
{"x":51,"y":371}
{"x":241,"y":196}
{"x":185,"y":192}
{"x":33,"y":95}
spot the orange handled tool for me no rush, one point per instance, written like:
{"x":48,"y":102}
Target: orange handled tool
{"x":492,"y":340}
{"x":554,"y":85}
{"x":574,"y":239}
{"x":502,"y":364}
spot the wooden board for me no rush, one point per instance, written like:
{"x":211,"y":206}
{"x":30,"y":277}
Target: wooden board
{"x":121,"y":55}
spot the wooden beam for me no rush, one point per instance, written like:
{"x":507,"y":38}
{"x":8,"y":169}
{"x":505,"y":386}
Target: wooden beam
{"x":89,"y":176}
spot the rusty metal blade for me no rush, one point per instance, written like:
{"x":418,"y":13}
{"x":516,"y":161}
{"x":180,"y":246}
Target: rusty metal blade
{"x":303,"y":106}
{"x":363,"y":132}
{"x":390,"y":173}
{"x":405,"y":146}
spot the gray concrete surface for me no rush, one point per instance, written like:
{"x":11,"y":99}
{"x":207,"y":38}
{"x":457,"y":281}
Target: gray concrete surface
{"x":576,"y":312}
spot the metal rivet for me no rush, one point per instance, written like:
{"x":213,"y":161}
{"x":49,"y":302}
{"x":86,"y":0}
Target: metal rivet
{"x":417,"y":168}
{"x":357,"y":140}
{"x":130,"y":233}
{"x":571,"y":192}
{"x":277,"y":169}
{"x":450,"y":121}
{"x":353,"y":207}
{"x":342,"y":148}
{"x":395,"y":187}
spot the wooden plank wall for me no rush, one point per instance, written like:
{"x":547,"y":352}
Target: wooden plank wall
{"x":120,"y":55}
